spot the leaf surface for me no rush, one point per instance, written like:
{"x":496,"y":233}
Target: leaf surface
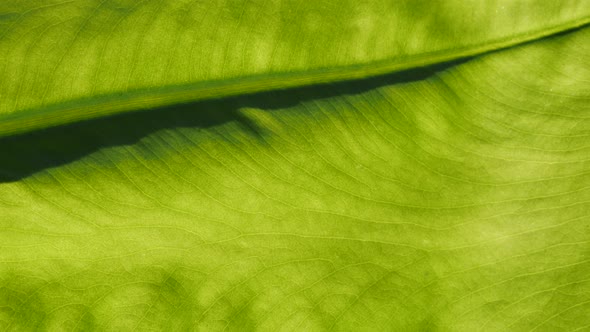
{"x":66,"y":61}
{"x":451,"y":198}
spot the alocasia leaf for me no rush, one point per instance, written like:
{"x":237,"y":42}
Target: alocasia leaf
{"x":453,"y":197}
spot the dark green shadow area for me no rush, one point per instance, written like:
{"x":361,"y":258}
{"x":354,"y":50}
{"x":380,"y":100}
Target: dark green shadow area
{"x":25,"y":154}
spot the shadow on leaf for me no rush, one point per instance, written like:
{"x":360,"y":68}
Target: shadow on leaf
{"x":26,"y":154}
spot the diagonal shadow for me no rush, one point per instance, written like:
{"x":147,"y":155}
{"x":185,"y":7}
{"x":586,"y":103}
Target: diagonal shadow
{"x":25,"y":154}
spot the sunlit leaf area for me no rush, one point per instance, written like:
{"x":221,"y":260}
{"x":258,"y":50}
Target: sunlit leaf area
{"x":294,"y":165}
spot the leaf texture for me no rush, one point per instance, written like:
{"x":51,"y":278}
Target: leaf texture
{"x":66,"y":61}
{"x":451,"y":198}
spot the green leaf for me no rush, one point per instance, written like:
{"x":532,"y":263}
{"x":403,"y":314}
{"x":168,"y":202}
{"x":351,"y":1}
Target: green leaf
{"x":66,"y":61}
{"x":453,"y":197}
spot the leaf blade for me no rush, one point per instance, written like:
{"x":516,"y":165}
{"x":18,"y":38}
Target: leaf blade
{"x":98,"y":60}
{"x":453,"y":202}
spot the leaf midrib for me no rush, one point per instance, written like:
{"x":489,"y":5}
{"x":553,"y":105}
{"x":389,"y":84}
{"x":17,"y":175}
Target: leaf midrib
{"x":93,"y":107}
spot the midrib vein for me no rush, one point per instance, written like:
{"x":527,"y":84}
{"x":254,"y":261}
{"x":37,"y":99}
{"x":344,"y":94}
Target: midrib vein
{"x":94,"y":107}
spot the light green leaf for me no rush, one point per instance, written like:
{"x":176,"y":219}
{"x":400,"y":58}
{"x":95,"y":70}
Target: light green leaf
{"x":65,"y":61}
{"x":448,"y":198}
